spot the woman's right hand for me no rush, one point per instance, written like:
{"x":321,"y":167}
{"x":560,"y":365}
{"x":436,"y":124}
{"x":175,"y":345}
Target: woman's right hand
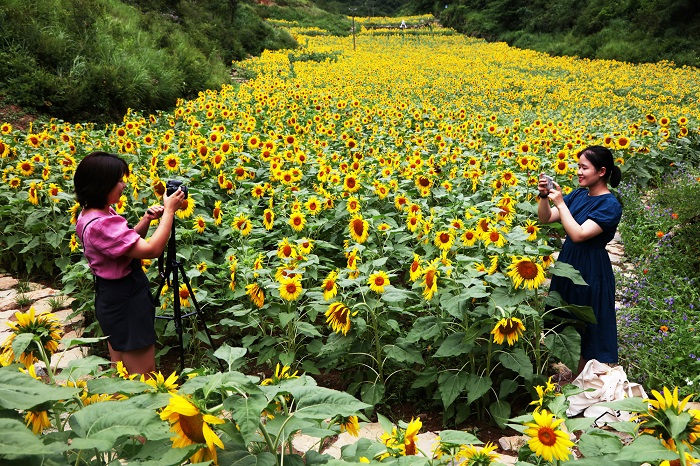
{"x":174,"y":201}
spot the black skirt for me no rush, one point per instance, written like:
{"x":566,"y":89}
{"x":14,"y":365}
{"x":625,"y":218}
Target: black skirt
{"x":125,"y":309}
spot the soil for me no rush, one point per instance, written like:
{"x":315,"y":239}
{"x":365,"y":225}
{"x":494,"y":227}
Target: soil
{"x":431,"y":417}
{"x":19,"y":118}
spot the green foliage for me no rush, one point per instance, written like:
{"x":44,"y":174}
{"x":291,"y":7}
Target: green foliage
{"x":94,"y":59}
{"x":660,"y":296}
{"x":307,"y":16}
{"x":634,"y":31}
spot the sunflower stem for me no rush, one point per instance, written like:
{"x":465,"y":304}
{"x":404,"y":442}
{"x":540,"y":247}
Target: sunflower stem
{"x":681,"y":452}
{"x":269,"y":442}
{"x":46,"y":359}
{"x":377,"y":345}
{"x":538,"y":330}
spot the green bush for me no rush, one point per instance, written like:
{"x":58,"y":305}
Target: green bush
{"x":93,"y":59}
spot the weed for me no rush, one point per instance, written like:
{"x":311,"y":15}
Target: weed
{"x":57,"y":302}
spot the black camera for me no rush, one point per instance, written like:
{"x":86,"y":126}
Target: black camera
{"x":172,"y":185}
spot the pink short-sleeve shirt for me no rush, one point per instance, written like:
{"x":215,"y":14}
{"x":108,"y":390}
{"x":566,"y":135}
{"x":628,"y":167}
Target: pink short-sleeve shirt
{"x":105,"y":241}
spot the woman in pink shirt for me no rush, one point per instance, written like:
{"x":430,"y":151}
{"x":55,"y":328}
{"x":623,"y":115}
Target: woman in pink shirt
{"x":124,"y":305}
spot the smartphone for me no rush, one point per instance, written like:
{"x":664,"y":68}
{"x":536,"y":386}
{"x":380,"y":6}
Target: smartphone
{"x":550,"y":182}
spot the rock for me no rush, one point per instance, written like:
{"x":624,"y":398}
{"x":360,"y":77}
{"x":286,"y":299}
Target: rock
{"x":7,"y":282}
{"x":513,"y":443}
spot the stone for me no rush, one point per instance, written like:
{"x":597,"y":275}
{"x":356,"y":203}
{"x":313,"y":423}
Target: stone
{"x":7,"y":282}
{"x":8,"y":300}
{"x":60,"y":360}
{"x":513,"y":442}
{"x":39,"y":293}
{"x":64,"y":317}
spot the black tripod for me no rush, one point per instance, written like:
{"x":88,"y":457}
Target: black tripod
{"x":172,"y":265}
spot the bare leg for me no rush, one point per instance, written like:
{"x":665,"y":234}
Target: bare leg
{"x":581,"y":364}
{"x":139,"y":361}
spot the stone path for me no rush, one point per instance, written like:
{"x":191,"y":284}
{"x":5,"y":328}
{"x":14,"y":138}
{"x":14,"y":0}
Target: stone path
{"x":21,"y":296}
{"x":49,"y":300}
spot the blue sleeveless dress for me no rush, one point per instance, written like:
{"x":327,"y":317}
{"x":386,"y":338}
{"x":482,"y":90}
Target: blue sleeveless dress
{"x":599,"y":340}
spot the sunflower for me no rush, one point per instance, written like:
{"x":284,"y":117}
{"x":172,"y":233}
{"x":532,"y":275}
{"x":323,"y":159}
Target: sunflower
{"x":256,"y":294}
{"x":184,"y":294}
{"x":444,"y":239}
{"x":123,"y":372}
{"x":305,"y":245}
{"x":546,"y":440}
{"x":73,"y":244}
{"x":74,"y":213}
{"x":297,"y":221}
{"x":33,"y":194}
{"x":242,"y":224}
{"x":330,"y":285}
{"x":120,"y":206}
{"x":46,"y":329}
{"x":313,"y":205}
{"x":353,"y":205}
{"x":623,"y":142}
{"x":280,"y":375}
{"x":402,"y":441}
{"x":172,"y":162}
{"x":469,"y":455}
{"x":285,"y":250}
{"x":469,"y":237}
{"x":531,"y":229}
{"x":415,"y":270}
{"x":547,"y":261}
{"x":351,"y":425}
{"x":191,"y":426}
{"x":38,"y":420}
{"x":160,"y":384}
{"x":15,"y":183}
{"x":351,"y":184}
{"x":26,"y":168}
{"x":268,"y":219}
{"x":400,"y":201}
{"x":413,"y":221}
{"x":359,"y":229}
{"x":493,"y":236}
{"x":430,"y":276}
{"x":663,"y":409}
{"x":290,"y":288}
{"x":338,"y":317}
{"x":546,"y":393}
{"x":199,"y":225}
{"x":526,"y":272}
{"x":377,"y":281}
{"x":186,"y":208}
{"x":510,"y":328}
{"x":217,"y":213}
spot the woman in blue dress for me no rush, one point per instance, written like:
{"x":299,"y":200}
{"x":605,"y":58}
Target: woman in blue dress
{"x":590,"y":216}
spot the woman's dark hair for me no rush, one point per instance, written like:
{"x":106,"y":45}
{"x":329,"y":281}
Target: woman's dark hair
{"x":95,"y":177}
{"x":601,"y":157}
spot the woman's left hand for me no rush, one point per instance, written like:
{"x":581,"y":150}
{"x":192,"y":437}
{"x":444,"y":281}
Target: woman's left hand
{"x":155,"y":212}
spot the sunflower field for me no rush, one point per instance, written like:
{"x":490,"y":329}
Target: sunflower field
{"x":369,"y":210}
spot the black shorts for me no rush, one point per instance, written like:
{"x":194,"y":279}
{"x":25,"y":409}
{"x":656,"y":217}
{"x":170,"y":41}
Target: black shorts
{"x":126,"y":310}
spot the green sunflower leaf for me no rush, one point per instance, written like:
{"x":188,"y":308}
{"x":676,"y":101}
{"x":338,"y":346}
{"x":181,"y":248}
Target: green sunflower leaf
{"x":104,"y":423}
{"x":322,"y":403}
{"x":21,"y":391}
{"x":18,"y":440}
{"x":451,"y":385}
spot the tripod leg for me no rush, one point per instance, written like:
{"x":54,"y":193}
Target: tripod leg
{"x":198,"y":311}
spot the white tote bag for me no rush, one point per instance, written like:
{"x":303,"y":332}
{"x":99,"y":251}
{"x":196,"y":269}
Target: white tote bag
{"x":607,"y":384}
